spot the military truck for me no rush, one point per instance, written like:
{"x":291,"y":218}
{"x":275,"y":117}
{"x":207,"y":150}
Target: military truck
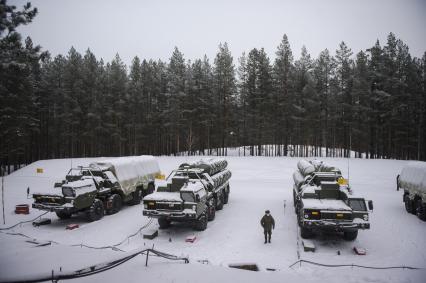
{"x":101,"y":187}
{"x":413,"y":181}
{"x":324,"y":201}
{"x":191,"y":194}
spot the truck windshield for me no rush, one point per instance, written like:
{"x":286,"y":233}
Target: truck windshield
{"x":357,"y":204}
{"x":187,"y":196}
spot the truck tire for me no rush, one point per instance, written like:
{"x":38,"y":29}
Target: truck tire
{"x":116,"y":204}
{"x":212,"y":211}
{"x":163,"y":223}
{"x":219,"y":202}
{"x":63,"y":215}
{"x":421,"y":210}
{"x":96,"y":211}
{"x":408,"y":204}
{"x":350,"y":235}
{"x":137,"y":196}
{"x":201,"y":223}
{"x":305,"y":233}
{"x":226,"y":198}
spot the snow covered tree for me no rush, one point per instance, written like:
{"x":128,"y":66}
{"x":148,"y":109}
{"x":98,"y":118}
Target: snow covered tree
{"x":283,"y":98}
{"x":224,"y":86}
{"x":19,"y":73}
{"x":175,"y":98}
{"x":344,"y":78}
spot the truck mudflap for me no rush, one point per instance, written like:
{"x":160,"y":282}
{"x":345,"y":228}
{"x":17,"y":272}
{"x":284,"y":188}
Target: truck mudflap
{"x":53,"y":207}
{"x":332,"y":225}
{"x":175,"y":216}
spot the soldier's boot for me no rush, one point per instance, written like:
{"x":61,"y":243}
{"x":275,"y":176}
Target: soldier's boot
{"x":269,"y":239}
{"x":265,"y":240}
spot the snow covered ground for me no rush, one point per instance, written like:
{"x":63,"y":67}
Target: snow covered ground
{"x":396,"y":238}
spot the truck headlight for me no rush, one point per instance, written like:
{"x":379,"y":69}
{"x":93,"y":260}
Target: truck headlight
{"x":194,"y":207}
{"x":145,"y":206}
{"x":306,"y":216}
{"x":365,"y":217}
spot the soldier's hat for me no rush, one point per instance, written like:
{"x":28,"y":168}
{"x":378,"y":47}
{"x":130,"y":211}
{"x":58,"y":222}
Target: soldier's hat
{"x":267,"y":211}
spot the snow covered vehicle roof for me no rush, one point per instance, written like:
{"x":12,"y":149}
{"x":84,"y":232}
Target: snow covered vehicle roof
{"x":325,"y":204}
{"x":307,"y":167}
{"x":413,"y":176}
{"x":129,"y":167}
{"x":164,"y":196}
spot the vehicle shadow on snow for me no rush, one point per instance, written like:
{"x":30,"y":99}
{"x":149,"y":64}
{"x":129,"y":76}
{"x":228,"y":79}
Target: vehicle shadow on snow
{"x":79,"y":218}
{"x":178,"y":230}
{"x":331,"y":242}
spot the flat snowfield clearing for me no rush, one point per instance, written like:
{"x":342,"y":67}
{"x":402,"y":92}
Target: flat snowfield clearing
{"x":396,"y":238}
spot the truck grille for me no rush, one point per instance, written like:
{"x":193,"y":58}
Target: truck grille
{"x":336,"y":215}
{"x":169,"y":206}
{"x":49,"y":200}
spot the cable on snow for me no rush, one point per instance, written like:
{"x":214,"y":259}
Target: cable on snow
{"x":98,"y":268}
{"x":354,"y":265}
{"x":113,"y":247}
{"x":22,"y":222}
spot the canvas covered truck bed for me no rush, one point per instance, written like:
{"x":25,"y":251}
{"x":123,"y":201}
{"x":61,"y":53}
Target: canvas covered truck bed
{"x":413,"y":177}
{"x":131,"y":171}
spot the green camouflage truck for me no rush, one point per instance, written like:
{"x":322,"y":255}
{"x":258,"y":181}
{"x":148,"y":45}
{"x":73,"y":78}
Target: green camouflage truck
{"x":323,"y":201}
{"x":191,"y":194}
{"x":102,"y":187}
{"x":413,"y":181}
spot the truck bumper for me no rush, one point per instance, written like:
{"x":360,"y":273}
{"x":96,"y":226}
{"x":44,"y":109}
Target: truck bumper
{"x":173,"y":216}
{"x":334,"y":226}
{"x":52,"y":208}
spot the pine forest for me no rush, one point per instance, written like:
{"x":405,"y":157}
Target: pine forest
{"x":77,"y":105}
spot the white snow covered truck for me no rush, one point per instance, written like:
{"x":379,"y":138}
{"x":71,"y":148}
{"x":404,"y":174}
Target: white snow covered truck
{"x":413,"y":181}
{"x":324,"y":201}
{"x":102,"y":187}
{"x":191,"y":194}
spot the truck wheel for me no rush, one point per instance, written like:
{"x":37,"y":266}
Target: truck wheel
{"x":421,"y":210}
{"x":350,"y":235}
{"x":96,"y":211}
{"x":63,"y":215}
{"x":116,"y":204}
{"x":136,"y":196}
{"x":212,"y":211}
{"x":163,"y":223}
{"x":219,"y":202}
{"x":408,"y":204}
{"x":226,"y":198}
{"x":305,"y":233}
{"x":201,"y":223}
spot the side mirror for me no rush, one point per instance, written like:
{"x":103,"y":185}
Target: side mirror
{"x":370,"y":205}
{"x":397,"y":182}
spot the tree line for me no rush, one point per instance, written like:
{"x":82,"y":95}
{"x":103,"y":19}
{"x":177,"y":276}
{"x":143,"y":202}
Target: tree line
{"x":77,"y":105}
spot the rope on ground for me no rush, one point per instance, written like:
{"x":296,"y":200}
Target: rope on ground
{"x":98,"y":268}
{"x":354,"y":265}
{"x":22,"y":222}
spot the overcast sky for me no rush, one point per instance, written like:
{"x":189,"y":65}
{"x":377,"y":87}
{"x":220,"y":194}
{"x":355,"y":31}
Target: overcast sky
{"x":151,"y":29}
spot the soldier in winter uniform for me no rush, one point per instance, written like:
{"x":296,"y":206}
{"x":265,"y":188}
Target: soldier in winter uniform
{"x":268,"y":223}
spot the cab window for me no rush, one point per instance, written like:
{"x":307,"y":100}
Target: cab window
{"x":357,"y":204}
